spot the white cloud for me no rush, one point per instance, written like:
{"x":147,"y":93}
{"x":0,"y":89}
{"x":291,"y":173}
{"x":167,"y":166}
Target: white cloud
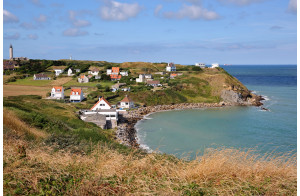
{"x":192,"y":12}
{"x":240,"y":2}
{"x":157,"y":10}
{"x":293,"y":6}
{"x":113,"y":10}
{"x":77,"y":22}
{"x":32,"y":36}
{"x":41,"y":18}
{"x":13,"y":36}
{"x":9,"y":17}
{"x":73,"y":32}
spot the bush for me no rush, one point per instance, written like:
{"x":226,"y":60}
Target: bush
{"x":98,"y":86}
{"x":195,"y":68}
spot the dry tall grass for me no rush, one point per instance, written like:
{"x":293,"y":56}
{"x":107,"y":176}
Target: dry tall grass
{"x":107,"y":172}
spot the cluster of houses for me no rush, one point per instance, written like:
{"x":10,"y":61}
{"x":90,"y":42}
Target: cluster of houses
{"x":115,"y":73}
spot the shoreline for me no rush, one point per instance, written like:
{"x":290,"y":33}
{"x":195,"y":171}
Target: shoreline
{"x":127,"y":133}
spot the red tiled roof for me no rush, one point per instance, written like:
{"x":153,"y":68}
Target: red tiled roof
{"x":173,"y":74}
{"x":115,"y":69}
{"x":126,"y":99}
{"x":82,"y":76}
{"x":102,"y":98}
{"x":76,"y":90}
{"x":114,"y":76}
{"x":58,"y":88}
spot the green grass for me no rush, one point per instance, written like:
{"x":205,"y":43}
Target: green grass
{"x":30,"y":82}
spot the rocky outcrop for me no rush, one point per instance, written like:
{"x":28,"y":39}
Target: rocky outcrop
{"x":241,"y":98}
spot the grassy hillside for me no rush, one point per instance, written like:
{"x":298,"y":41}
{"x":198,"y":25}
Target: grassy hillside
{"x":48,"y":150}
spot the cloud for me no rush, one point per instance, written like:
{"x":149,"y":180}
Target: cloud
{"x":113,"y":10}
{"x":74,"y":32}
{"x":157,"y":10}
{"x":32,"y":36}
{"x":240,"y":2}
{"x":77,"y":22}
{"x":41,"y":18}
{"x":13,"y":36}
{"x":192,"y":12}
{"x":8,"y":17}
{"x":36,"y":2}
{"x":292,"y":6}
{"x":275,"y":27}
{"x":27,"y":25}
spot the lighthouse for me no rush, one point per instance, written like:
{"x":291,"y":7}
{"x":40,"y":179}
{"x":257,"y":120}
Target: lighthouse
{"x":11,"y":54}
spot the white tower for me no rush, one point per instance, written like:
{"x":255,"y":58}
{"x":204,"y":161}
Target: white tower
{"x":11,"y":54}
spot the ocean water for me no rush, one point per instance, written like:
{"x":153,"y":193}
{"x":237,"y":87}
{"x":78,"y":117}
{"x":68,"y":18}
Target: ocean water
{"x":190,"y":132}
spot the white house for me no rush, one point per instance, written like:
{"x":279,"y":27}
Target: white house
{"x":108,"y":72}
{"x":94,"y":71}
{"x":76,"y":95}
{"x":148,"y":76}
{"x":103,"y":107}
{"x":83,"y":79}
{"x":141,"y":78}
{"x":154,"y":83}
{"x":57,"y":92}
{"x":171,"y":67}
{"x":124,"y":73}
{"x":58,"y":71}
{"x":41,"y":77}
{"x":201,"y":65}
{"x":214,"y":65}
{"x":77,"y":70}
{"x":102,"y":104}
{"x":127,"y":103}
{"x":70,"y":72}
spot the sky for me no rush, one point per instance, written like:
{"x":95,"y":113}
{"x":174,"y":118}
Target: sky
{"x":179,"y":31}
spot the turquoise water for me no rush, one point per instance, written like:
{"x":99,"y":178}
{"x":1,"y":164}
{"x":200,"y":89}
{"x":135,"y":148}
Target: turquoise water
{"x":188,"y":132}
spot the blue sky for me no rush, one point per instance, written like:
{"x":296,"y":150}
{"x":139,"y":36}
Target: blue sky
{"x":181,"y":31}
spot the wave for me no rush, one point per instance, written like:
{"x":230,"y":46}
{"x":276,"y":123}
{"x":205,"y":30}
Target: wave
{"x":266,"y":98}
{"x":140,"y":138}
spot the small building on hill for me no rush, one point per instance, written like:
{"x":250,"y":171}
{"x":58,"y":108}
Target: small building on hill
{"x":41,"y":76}
{"x":124,"y":73}
{"x":173,"y":75}
{"x":57,"y":92}
{"x":215,"y":65}
{"x":58,"y":71}
{"x":83,"y":79}
{"x":127,"y":103}
{"x":94,"y":71}
{"x":201,"y":65}
{"x":70,"y":72}
{"x":171,"y":67}
{"x":141,"y":78}
{"x":76,"y":95}
{"x":77,"y":70}
{"x":153,"y":83}
{"x":102,"y":104}
{"x":115,"y":77}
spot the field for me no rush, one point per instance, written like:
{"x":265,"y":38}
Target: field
{"x":16,"y":90}
{"x":74,"y":82}
{"x":48,"y":150}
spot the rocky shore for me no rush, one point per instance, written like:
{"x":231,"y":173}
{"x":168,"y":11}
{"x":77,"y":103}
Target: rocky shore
{"x":126,"y":132}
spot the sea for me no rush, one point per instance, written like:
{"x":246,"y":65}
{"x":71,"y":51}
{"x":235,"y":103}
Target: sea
{"x":188,"y":133}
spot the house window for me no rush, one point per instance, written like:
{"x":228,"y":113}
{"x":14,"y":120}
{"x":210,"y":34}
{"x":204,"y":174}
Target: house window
{"x":112,"y":115}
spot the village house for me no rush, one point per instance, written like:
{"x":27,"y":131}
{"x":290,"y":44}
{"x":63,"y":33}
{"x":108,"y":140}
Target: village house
{"x":94,"y":71}
{"x":57,"y":92}
{"x":115,"y":77}
{"x":58,"y":71}
{"x":126,"y":103}
{"x":171,"y":67}
{"x":70,"y":72}
{"x":108,"y":72}
{"x":83,"y":79}
{"x":148,"y":76}
{"x":77,"y":70}
{"x":41,"y":76}
{"x":153,"y":83}
{"x":9,"y":65}
{"x":141,"y":78}
{"x":201,"y":65}
{"x":117,"y":86}
{"x":215,"y":65}
{"x":173,"y":75}
{"x":124,"y":73}
{"x":76,"y":95}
